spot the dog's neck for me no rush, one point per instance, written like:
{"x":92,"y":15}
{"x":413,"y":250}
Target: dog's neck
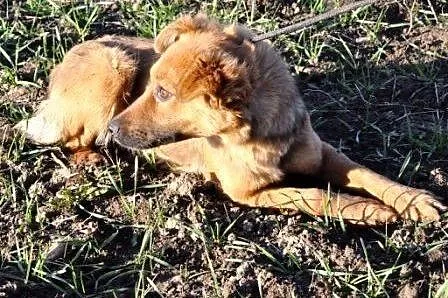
{"x":261,"y":157}
{"x":276,"y":108}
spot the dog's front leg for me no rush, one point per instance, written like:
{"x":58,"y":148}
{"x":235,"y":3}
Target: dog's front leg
{"x":189,"y":155}
{"x":241,"y":186}
{"x":411,"y":203}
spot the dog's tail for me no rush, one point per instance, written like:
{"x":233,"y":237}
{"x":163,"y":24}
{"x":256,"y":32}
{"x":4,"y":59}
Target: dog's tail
{"x":44,"y":128}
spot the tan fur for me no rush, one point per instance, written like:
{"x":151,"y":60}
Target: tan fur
{"x":96,"y":80}
{"x":235,"y":104}
{"x":244,"y":124}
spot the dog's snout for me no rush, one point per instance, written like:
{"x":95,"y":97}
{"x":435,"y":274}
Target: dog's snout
{"x":114,"y":127}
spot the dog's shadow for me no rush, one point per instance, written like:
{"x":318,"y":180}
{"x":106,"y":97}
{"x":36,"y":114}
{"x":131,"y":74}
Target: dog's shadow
{"x":392,"y":119}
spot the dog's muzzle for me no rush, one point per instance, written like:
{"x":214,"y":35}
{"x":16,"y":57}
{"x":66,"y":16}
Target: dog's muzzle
{"x":138,"y":138}
{"x":115,"y":133}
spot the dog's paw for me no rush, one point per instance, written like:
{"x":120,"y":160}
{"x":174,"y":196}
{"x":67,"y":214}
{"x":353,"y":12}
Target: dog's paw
{"x":373,"y":215}
{"x":419,"y":205}
{"x":86,"y":157}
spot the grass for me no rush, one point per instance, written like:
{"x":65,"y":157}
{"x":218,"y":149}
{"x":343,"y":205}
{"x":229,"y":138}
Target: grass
{"x":375,"y":83}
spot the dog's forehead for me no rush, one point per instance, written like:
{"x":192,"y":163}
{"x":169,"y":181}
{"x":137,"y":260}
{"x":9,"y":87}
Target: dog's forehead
{"x":181,"y":58}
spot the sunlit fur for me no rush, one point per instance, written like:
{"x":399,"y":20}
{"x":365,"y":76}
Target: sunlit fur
{"x":244,"y":124}
{"x":96,"y":80}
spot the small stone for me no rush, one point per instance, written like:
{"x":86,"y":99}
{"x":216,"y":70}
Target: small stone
{"x":248,"y":225}
{"x":171,"y":223}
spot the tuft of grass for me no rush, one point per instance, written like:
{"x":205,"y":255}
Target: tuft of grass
{"x":148,"y":18}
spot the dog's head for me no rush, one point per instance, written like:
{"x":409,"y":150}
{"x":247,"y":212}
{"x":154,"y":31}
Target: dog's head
{"x":199,"y":87}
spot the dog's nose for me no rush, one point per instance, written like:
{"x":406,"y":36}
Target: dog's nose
{"x":114,"y":127}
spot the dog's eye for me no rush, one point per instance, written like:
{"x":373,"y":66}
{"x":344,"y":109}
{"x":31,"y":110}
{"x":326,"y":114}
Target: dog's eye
{"x":162,"y":94}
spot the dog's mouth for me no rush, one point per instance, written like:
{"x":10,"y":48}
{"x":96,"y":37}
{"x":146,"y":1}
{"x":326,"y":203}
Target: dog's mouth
{"x":136,"y":137}
{"x":145,"y":142}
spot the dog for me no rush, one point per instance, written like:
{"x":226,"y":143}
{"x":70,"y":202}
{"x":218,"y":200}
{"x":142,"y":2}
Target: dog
{"x":95,"y":81}
{"x":241,"y":123}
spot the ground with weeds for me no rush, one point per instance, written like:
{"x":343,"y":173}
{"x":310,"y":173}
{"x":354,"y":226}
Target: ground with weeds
{"x":376,"y":84}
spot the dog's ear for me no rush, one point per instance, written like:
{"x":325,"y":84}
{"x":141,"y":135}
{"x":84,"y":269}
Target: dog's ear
{"x":226,"y":80}
{"x":183,"y":25}
{"x":238,"y":34}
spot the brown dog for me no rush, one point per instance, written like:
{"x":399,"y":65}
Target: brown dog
{"x":244,"y":125}
{"x":96,"y":81}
